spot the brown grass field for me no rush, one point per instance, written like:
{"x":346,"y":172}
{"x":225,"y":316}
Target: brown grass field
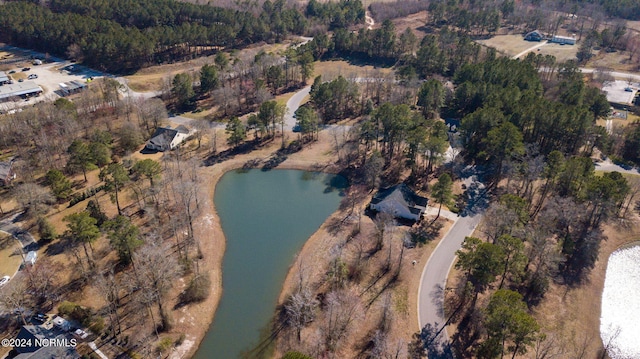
{"x":10,"y":258}
{"x":508,"y":45}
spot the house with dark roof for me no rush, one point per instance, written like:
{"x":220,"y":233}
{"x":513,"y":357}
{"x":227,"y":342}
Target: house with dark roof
{"x":41,"y":342}
{"x":6,"y":173}
{"x":534,"y":35}
{"x":167,"y":138}
{"x":400,"y":201}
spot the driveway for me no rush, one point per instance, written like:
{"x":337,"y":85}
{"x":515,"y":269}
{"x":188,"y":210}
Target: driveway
{"x":292,"y":106}
{"x":436,"y":270}
{"x":9,"y":225}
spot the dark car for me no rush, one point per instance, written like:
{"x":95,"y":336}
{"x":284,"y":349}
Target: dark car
{"x":26,"y":68}
{"x":41,"y":318}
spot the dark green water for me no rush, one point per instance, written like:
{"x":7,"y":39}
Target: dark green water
{"x":266,"y":218}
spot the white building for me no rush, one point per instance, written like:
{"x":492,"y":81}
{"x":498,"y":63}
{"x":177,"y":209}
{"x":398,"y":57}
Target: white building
{"x":563,"y":40}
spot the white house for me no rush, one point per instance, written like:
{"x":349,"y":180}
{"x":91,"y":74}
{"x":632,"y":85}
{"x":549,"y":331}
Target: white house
{"x":401,"y":202}
{"x":167,"y":138}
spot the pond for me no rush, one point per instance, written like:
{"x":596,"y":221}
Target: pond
{"x":266,"y":217}
{"x":620,"y":317}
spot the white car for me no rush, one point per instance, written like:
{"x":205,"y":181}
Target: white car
{"x":4,"y":280}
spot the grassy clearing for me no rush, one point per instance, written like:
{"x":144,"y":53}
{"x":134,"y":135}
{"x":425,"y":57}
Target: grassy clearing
{"x":10,"y":258}
{"x":618,"y":61}
{"x":332,"y":69}
{"x":562,"y":53}
{"x":509,"y":45}
{"x":153,"y":78}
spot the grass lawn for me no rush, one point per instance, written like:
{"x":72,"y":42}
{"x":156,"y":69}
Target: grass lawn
{"x":332,"y":69}
{"x":509,"y":45}
{"x":10,"y":258}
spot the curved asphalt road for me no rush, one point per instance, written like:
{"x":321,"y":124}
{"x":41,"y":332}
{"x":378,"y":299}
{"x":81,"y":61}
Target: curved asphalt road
{"x":292,"y":106}
{"x":436,"y":270}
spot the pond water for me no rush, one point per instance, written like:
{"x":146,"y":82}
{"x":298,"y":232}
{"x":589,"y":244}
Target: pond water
{"x":266,"y":218}
{"x":620,"y":317}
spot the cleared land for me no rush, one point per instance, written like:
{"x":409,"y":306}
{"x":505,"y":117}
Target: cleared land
{"x":562,"y":53}
{"x":509,"y":45}
{"x":10,"y":258}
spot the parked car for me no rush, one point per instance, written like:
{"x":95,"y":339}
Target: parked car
{"x":12,"y":71}
{"x":32,"y":76}
{"x":41,"y":318}
{"x":4,"y":280}
{"x":21,"y":80}
{"x":26,"y":68}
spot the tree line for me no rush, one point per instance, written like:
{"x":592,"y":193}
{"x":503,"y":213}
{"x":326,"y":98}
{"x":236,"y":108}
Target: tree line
{"x":126,"y":35}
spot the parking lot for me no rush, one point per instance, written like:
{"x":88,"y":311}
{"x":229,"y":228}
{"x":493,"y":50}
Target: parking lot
{"x":48,"y":75}
{"x":620,"y":92}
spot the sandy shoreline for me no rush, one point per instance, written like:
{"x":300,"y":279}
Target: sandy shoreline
{"x":196,"y":319}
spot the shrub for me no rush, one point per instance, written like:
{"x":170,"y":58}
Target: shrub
{"x":66,"y":308}
{"x":198,"y":289}
{"x":295,"y":355}
{"x":164,"y":345}
{"x":46,"y":231}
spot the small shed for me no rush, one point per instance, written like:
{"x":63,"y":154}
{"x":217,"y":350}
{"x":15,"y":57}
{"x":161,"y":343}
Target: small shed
{"x":30,"y":259}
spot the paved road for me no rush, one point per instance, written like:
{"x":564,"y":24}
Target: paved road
{"x":292,"y":106}
{"x":8,"y":225}
{"x":436,"y":270}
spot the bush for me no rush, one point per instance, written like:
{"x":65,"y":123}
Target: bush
{"x":198,"y":289}
{"x":46,"y":231}
{"x":164,"y":345}
{"x":295,"y":355}
{"x":66,"y":308}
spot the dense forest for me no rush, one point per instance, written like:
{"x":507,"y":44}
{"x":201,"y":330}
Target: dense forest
{"x":127,"y":35}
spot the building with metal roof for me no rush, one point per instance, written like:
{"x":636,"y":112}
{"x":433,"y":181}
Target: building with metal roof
{"x":21,"y":89}
{"x":4,"y":79}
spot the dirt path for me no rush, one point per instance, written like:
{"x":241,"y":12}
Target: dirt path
{"x":369,"y":20}
{"x":517,"y":56}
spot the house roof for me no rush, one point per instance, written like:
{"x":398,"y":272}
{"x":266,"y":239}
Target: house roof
{"x":182,"y":129}
{"x":19,"y":89}
{"x":34,"y":351}
{"x":5,"y":169}
{"x":401,"y":195}
{"x":163,"y":136}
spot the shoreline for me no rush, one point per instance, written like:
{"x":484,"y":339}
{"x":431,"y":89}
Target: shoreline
{"x":213,"y":241}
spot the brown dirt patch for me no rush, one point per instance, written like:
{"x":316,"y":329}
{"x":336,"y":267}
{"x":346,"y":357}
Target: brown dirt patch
{"x":10,"y":258}
{"x":414,"y":22}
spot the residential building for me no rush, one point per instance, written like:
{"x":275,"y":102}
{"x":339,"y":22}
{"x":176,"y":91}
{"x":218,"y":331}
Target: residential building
{"x":401,"y":202}
{"x":534,"y":36}
{"x":167,"y":138}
